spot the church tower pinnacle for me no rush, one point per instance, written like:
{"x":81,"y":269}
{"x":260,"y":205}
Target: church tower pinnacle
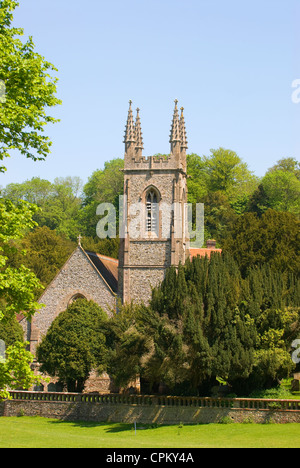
{"x":130,"y":136}
{"x":138,"y":135}
{"x":178,"y":138}
{"x":175,"y":131}
{"x":183,"y":140}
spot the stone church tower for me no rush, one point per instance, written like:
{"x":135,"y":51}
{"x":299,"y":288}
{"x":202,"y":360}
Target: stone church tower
{"x":153,"y":234}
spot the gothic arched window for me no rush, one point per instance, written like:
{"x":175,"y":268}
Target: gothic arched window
{"x":152,"y":211}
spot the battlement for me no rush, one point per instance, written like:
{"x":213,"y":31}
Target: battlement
{"x":156,"y":159}
{"x":153,"y":163}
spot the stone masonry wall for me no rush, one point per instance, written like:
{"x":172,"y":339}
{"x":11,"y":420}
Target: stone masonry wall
{"x":162,"y":181}
{"x":78,"y":276}
{"x":150,"y":253}
{"x":148,"y":258}
{"x":143,"y":280}
{"x":130,"y":413}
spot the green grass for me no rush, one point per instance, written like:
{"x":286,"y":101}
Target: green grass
{"x":36,"y":432}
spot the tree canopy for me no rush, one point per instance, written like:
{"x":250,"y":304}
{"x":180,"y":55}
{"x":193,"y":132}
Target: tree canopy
{"x":207,"y":323}
{"x":30,"y":90}
{"x":17,"y":285}
{"x":59,"y":202}
{"x":75,"y":344}
{"x":272,"y":239}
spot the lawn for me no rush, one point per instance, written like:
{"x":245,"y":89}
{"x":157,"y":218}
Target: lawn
{"x":36,"y":432}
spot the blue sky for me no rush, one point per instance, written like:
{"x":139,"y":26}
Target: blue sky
{"x":230,"y":64}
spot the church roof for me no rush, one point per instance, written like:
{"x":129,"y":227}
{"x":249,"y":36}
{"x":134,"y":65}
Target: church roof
{"x":107,"y":267}
{"x":205,"y":251}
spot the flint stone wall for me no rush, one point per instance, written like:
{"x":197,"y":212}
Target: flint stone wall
{"x":77,"y":277}
{"x":117,"y":409}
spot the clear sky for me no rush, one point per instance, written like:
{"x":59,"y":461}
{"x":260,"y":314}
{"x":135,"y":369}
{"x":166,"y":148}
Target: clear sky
{"x":230,"y":64}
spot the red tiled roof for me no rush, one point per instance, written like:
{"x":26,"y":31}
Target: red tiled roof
{"x":206,"y":251}
{"x":203,"y":252}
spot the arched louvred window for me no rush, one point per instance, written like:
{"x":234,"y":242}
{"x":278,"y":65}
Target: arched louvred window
{"x":152,"y":211}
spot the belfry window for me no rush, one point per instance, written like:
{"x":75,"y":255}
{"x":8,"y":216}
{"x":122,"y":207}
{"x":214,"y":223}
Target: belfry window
{"x":152,"y":211}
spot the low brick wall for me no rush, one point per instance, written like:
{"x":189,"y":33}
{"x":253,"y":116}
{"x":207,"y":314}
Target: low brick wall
{"x":149,"y":409}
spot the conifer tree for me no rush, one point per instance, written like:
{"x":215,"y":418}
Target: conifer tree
{"x":207,"y":322}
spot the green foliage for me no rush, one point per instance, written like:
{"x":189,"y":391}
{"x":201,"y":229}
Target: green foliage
{"x":108,"y":247}
{"x":208,"y":323}
{"x":271,"y":239}
{"x":15,"y":370}
{"x":74,"y":344}
{"x":282,"y":190}
{"x":14,"y":220}
{"x":288,"y":165}
{"x":17,"y":285}
{"x":279,"y":189}
{"x":45,"y":254}
{"x":30,"y":90}
{"x":277,"y":393}
{"x":126,"y":345}
{"x":35,"y":191}
{"x":228,"y":173}
{"x":11,"y":331}
{"x":223,"y":182}
{"x":104,"y":186}
{"x":222,"y":171}
{"x":219,"y":215}
{"x":59,"y":202}
{"x":197,"y":182}
{"x":226,"y":420}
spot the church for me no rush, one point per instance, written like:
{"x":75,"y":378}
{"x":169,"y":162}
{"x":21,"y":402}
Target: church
{"x":147,"y":249}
